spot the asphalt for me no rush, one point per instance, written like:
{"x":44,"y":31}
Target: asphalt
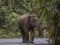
{"x":18,"y":41}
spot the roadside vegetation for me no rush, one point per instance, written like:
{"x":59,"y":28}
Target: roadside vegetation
{"x":48,"y":12}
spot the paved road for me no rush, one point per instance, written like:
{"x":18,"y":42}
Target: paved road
{"x":18,"y":41}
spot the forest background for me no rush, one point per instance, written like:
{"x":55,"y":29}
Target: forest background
{"x":48,"y":12}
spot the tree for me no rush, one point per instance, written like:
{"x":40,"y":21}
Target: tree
{"x":56,"y":16}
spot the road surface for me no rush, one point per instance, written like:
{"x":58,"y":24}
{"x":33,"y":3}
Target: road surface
{"x":18,"y":41}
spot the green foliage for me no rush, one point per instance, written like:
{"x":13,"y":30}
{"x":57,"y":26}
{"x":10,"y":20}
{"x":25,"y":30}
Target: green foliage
{"x":10,"y":10}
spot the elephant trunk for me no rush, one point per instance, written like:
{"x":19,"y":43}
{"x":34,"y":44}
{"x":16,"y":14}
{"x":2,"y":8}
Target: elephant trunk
{"x":39,"y":30}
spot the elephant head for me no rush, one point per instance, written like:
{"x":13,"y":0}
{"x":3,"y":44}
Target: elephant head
{"x":34,"y":22}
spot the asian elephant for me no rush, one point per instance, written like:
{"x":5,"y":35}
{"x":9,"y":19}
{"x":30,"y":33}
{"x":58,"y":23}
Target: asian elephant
{"x":27,"y":23}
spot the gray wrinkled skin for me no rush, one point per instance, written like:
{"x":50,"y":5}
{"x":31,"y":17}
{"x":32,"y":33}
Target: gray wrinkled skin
{"x":27,"y":23}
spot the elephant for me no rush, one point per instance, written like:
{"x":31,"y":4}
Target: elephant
{"x":27,"y":22}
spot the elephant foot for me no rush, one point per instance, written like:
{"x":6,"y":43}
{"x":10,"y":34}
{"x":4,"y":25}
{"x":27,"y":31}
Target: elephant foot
{"x":25,"y":41}
{"x":31,"y":41}
{"x":28,"y":42}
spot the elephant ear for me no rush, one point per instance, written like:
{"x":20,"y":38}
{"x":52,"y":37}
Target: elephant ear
{"x":30,"y":18}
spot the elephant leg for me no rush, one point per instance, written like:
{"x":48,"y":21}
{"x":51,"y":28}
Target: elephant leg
{"x":26,"y":37}
{"x":22,"y":32}
{"x":32,"y":36}
{"x":23,"y":35}
{"x":26,"y":34}
{"x":23,"y":38}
